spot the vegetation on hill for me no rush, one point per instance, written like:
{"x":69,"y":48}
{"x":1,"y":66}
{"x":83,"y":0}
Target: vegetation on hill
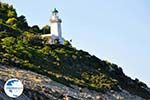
{"x":22,"y":47}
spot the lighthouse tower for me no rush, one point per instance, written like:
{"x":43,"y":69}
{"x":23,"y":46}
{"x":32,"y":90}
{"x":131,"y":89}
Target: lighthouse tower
{"x":56,"y":31}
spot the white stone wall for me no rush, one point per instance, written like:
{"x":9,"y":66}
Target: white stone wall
{"x":56,"y":30}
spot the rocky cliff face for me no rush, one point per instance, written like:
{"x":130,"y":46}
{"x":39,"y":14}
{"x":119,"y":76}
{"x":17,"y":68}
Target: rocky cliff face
{"x":39,"y":87}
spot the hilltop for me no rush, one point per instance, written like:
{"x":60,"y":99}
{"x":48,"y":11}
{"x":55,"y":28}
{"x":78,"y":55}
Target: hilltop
{"x":22,"y":48}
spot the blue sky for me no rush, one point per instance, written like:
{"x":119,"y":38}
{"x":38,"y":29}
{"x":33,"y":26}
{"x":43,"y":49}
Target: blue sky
{"x":113,"y":30}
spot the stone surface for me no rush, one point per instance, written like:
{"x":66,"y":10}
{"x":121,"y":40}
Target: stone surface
{"x":39,"y":87}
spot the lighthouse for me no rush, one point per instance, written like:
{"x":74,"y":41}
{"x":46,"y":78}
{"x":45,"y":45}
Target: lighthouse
{"x":56,"y":31}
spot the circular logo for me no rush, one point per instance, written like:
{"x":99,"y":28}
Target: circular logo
{"x":13,"y":88}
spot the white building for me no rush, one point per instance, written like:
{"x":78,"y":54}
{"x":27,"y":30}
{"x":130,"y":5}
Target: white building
{"x":56,"y":31}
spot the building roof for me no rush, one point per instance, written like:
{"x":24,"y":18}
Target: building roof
{"x":55,"y":11}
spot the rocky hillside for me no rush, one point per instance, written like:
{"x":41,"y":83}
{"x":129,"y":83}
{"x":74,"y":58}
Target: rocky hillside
{"x":58,"y":71}
{"x":39,"y":87}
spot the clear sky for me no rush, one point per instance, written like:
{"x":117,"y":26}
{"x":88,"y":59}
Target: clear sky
{"x":113,"y":30}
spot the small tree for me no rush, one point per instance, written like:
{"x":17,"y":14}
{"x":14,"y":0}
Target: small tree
{"x":8,"y":43}
{"x":46,"y":29}
{"x":35,"y":28}
{"x":67,"y":43}
{"x":11,"y":21}
{"x":11,"y":14}
{"x":22,"y":23}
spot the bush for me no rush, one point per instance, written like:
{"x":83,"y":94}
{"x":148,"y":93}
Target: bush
{"x":46,"y":30}
{"x":11,"y":21}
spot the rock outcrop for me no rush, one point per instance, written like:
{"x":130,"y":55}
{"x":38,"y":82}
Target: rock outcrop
{"x":39,"y":87}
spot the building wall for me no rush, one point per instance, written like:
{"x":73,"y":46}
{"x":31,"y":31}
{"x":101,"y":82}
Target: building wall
{"x":56,"y":29}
